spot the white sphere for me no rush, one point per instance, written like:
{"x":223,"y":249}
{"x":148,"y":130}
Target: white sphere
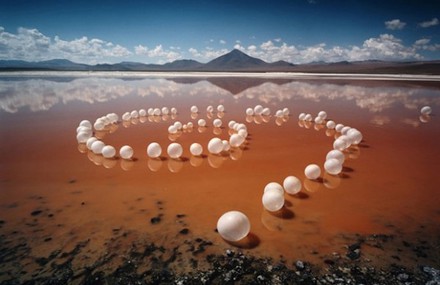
{"x":97,"y":147}
{"x":142,"y":112}
{"x":292,"y":185}
{"x":318,"y":120}
{"x":209,"y":109}
{"x":339,"y":127}
{"x":258,"y":110}
{"x":345,"y":130}
{"x":266,"y":112}
{"x":331,"y":125}
{"x":194,"y":109}
{"x":426,"y":110}
{"x":220,"y":108}
{"x":217,"y":123}
{"x":236,"y":140}
{"x":84,"y":130}
{"x":273,"y":200}
{"x":196,"y":149}
{"x":172,"y":129}
{"x":355,"y":136}
{"x":201,"y":123}
{"x":150,"y":111}
{"x":113,"y":117}
{"x":322,"y":114}
{"x":336,"y":154}
{"x":90,"y":141}
{"x":126,"y":152}
{"x":82,"y":137}
{"x":226,"y":145}
{"x":238,"y":127}
{"x":156,"y":112}
{"x":233,"y":226}
{"x":286,"y":111}
{"x":134,"y":114}
{"x":178,"y":125}
{"x":312,"y":171}
{"x":279,"y":113}
{"x":333,"y":166}
{"x":154,"y":150}
{"x":273,"y":186}
{"x":308,"y":118}
{"x":340,"y":144}
{"x":173,"y":111}
{"x":215,"y":146}
{"x":108,"y":151}
{"x":231,"y":124}
{"x":249,"y":111}
{"x":243,"y":133}
{"x":302,"y":117}
{"x":190,"y":125}
{"x":126,"y":116}
{"x":175,"y":150}
{"x":99,"y":125}
{"x":165,"y":110}
{"x":85,"y":123}
{"x":347,"y":140}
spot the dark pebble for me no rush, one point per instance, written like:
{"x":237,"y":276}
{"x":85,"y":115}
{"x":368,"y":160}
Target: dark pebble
{"x":179,"y":216}
{"x":36,"y":212}
{"x":47,"y":239}
{"x":71,"y":181}
{"x":184,"y":231}
{"x":155,"y":220}
{"x":50,"y":215}
{"x":329,"y":261}
{"x":83,"y":203}
{"x":2,"y":222}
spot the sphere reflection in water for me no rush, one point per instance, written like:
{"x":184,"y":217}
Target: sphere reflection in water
{"x":82,"y":148}
{"x":95,"y":158}
{"x":236,"y":154}
{"x":425,"y":118}
{"x":154,"y":164}
{"x":196,"y":161}
{"x":109,"y":163}
{"x":175,"y":165}
{"x":271,"y":222}
{"x":215,"y":161}
{"x":311,"y":185}
{"x":126,"y":165}
{"x":331,"y":181}
{"x":233,"y":226}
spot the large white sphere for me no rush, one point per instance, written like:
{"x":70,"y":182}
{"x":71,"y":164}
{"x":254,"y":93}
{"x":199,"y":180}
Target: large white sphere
{"x":220,"y":108}
{"x":150,"y":111}
{"x":97,"y":147}
{"x":83,"y":129}
{"x":201,"y":123}
{"x":156,"y":112}
{"x":312,"y":171}
{"x":90,"y":141}
{"x":345,"y":130}
{"x":175,"y":150}
{"x":178,"y":125}
{"x":194,"y":109}
{"x":82,"y":136}
{"x":196,"y":149}
{"x":279,"y":113}
{"x":273,"y":200}
{"x":292,"y":185}
{"x":308,"y":118}
{"x":226,"y":145}
{"x":426,"y":110}
{"x":243,"y":133}
{"x":99,"y":125}
{"x":322,"y":114}
{"x":215,"y":146}
{"x":340,"y":144}
{"x":217,"y":123}
{"x":258,"y":110}
{"x":108,"y":151}
{"x":286,"y":111}
{"x":333,"y":166}
{"x":154,"y":150}
{"x":236,"y":140}
{"x":355,"y":136}
{"x":233,"y":226}
{"x":266,"y":112}
{"x":249,"y":111}
{"x":165,"y":110}
{"x":85,"y":123}
{"x":318,"y":120}
{"x":330,"y":125}
{"x":302,"y":116}
{"x":134,"y":114}
{"x":126,"y":152}
{"x":347,"y":140}
{"x":142,"y":112}
{"x":274,"y":186}
{"x":336,"y":154}
{"x":172,"y":129}
{"x":173,"y":111}
{"x":339,"y":127}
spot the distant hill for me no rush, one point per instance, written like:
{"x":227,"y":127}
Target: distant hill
{"x":234,"y":60}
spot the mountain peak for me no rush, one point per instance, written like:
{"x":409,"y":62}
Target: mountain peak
{"x":235,"y":60}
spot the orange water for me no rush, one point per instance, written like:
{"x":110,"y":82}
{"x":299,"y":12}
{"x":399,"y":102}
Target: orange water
{"x":389,"y":184}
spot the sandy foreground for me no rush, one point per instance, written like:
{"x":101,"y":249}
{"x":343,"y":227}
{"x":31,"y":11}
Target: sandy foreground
{"x":70,"y":215}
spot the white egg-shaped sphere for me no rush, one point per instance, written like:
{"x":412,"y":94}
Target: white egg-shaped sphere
{"x":347,"y":140}
{"x":345,"y":130}
{"x":209,"y":109}
{"x":82,"y":137}
{"x":99,"y":125}
{"x":157,"y":112}
{"x":142,"y":112}
{"x":333,"y":166}
{"x":273,"y":200}
{"x":312,"y":171}
{"x":318,"y":120}
{"x":175,"y":150}
{"x":286,"y":111}
{"x":322,"y":114}
{"x":201,"y":123}
{"x":355,"y":136}
{"x":178,"y":125}
{"x":330,"y":125}
{"x":336,"y":154}
{"x":220,"y":108}
{"x":85,"y":123}
{"x":217,"y":123}
{"x":279,"y":113}
{"x":150,"y":111}
{"x":249,"y":111}
{"x":302,"y":116}
{"x":233,"y":226}
{"x":165,"y":110}
{"x":258,"y":110}
{"x":196,"y":149}
{"x":190,"y":125}
{"x":292,"y":185}
{"x":194,"y":109}
{"x":236,"y":140}
{"x":308,"y":118}
{"x":82,"y":129}
{"x":426,"y":110}
{"x":226,"y":145}
{"x":90,"y":141}
{"x":340,"y":144}
{"x":231,"y":124}
{"x":126,"y":116}
{"x":265,"y":112}
{"x":108,"y":151}
{"x":154,"y":150}
{"x":134,"y":114}
{"x":113,"y":117}
{"x":172,"y":129}
{"x":126,"y":152}
{"x":273,"y":186}
{"x":97,"y":147}
{"x":339,"y":127}
{"x":215,"y":146}
{"x":173,"y":111}
{"x":243,"y":133}
{"x":240,"y":127}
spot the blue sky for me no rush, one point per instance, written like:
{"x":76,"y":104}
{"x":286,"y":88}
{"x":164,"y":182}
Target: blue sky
{"x":298,"y":31}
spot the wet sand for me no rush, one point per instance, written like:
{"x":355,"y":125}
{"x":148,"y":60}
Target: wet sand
{"x":59,"y":202}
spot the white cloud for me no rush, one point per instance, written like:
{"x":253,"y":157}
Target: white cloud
{"x":207,"y":54}
{"x":422,"y":42}
{"x":395,"y":24}
{"x":430,"y":23}
{"x":223,"y":42}
{"x":424,"y":45}
{"x":158,"y":53}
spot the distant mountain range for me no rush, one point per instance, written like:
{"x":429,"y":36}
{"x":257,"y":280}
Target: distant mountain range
{"x":233,"y":61}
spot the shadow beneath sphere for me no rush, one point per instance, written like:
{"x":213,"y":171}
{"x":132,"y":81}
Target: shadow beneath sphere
{"x":249,"y":242}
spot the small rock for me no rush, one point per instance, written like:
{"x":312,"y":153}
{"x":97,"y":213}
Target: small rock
{"x":300,"y":265}
{"x":36,"y":212}
{"x":184,"y":231}
{"x":155,"y":220}
{"x":402,"y":277}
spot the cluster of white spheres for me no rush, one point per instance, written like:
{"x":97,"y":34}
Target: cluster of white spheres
{"x":104,"y":121}
{"x":84,"y":131}
{"x":426,"y":110}
{"x":312,"y":171}
{"x":154,"y":150}
{"x":175,"y":150}
{"x":305,"y":117}
{"x":282,"y":113}
{"x":233,"y":226}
